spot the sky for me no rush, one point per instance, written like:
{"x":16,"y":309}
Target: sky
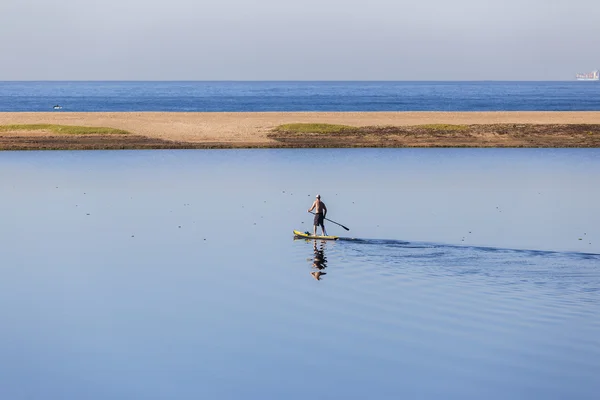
{"x":298,"y":40}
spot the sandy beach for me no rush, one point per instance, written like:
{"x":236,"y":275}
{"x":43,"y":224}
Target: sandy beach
{"x":252,"y":129}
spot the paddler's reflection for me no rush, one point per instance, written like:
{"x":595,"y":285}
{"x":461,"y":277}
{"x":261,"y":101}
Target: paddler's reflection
{"x":319,"y":260}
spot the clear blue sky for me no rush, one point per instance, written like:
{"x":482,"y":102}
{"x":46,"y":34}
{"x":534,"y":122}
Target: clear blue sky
{"x":298,"y":40}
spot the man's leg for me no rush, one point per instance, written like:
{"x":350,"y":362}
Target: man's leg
{"x":323,"y":229}
{"x":315,"y":230}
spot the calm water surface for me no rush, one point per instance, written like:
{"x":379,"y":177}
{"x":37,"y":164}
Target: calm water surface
{"x":299,"y":96}
{"x":466,"y":274}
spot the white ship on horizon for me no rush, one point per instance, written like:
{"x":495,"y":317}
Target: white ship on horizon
{"x":591,"y":76}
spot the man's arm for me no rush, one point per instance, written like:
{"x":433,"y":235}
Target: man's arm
{"x":324,"y":209}
{"x":312,"y":207}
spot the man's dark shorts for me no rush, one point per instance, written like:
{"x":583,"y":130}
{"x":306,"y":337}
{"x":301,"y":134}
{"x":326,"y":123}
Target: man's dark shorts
{"x":318,"y":219}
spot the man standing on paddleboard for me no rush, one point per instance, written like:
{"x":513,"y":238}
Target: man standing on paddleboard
{"x":320,"y":212}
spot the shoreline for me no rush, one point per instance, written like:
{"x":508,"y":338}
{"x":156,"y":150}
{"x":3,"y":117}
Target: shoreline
{"x":223,"y":130}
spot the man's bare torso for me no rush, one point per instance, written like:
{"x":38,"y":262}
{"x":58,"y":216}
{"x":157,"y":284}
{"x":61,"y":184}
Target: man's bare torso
{"x":319,"y":207}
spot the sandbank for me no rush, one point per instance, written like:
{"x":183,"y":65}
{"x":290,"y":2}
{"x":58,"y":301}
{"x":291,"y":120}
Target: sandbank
{"x":253,"y":129}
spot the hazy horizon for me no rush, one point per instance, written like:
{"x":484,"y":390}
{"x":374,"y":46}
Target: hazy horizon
{"x":286,"y":80}
{"x":270,"y":40}
{"x":297,"y":80}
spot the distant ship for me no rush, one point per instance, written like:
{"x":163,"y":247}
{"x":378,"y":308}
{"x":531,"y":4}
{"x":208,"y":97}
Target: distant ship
{"x":592,"y":76}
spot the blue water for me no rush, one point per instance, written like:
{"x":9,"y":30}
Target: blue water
{"x":300,"y":96}
{"x":471,"y":274}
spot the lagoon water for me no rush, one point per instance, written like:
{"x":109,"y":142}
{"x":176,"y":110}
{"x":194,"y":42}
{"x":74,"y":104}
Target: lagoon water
{"x":467,"y":274}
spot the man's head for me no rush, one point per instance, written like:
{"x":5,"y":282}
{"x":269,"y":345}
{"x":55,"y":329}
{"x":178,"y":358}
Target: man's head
{"x":318,"y":196}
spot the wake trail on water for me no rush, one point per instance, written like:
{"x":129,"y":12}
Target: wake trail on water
{"x":390,"y":243}
{"x":548,"y":273}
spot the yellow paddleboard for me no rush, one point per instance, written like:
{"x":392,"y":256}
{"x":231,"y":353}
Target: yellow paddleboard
{"x":305,"y":235}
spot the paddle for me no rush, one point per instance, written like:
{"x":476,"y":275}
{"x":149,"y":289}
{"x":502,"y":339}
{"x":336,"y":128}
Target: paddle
{"x":333,"y":222}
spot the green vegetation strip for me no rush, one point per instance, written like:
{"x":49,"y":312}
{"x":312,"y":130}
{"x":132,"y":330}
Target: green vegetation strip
{"x":443,"y":127}
{"x":315,"y":128}
{"x":64,"y":129}
{"x":330,"y":128}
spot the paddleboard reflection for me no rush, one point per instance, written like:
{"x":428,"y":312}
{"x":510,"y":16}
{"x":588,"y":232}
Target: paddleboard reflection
{"x":319,"y":262}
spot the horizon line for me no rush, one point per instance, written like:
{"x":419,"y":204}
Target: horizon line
{"x":287,"y":80}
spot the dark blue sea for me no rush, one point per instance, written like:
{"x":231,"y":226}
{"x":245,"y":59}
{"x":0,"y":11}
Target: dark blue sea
{"x":300,"y":96}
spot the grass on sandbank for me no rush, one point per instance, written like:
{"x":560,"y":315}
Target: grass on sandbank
{"x":64,"y":129}
{"x":443,"y":127}
{"x":314,"y":128}
{"x":438,"y":135}
{"x":330,"y":128}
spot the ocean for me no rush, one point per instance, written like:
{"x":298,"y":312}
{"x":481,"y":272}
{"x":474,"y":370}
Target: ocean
{"x":299,"y":96}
